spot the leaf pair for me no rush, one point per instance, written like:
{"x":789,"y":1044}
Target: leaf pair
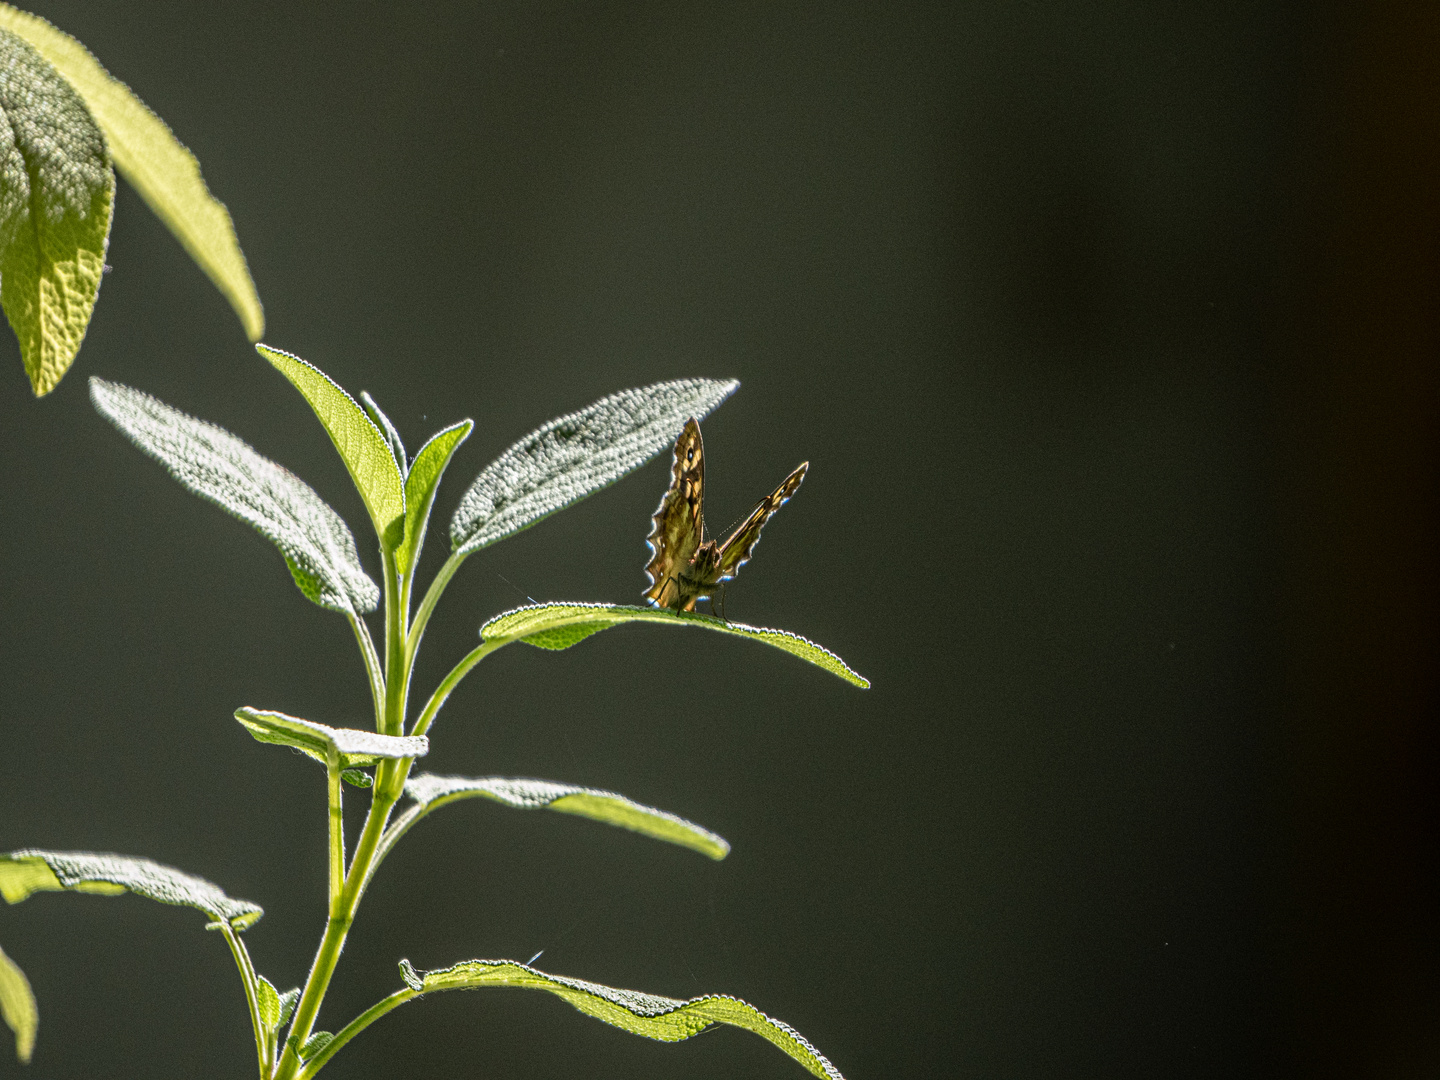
{"x":63,"y":120}
{"x":559,"y":464}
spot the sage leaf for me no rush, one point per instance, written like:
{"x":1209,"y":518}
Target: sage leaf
{"x":661,"y":1018}
{"x":288,"y":1000}
{"x":559,"y":626}
{"x":431,"y":792}
{"x":357,"y":777}
{"x":148,"y":155}
{"x":392,"y":436}
{"x":30,"y":870}
{"x":355,"y":747}
{"x":573,"y":456}
{"x":17,"y":1007}
{"x":57,"y":194}
{"x":421,"y":483}
{"x":315,"y":1043}
{"x":317,"y":545}
{"x":362,"y":446}
{"x":268,"y":1000}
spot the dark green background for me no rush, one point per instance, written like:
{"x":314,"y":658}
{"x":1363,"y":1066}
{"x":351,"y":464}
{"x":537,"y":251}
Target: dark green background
{"x":1108,"y":331}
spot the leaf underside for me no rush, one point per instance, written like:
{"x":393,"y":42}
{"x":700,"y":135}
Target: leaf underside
{"x":561,"y":625}
{"x":17,"y":1007}
{"x":57,"y":194}
{"x":354,"y":747}
{"x":654,"y":1017}
{"x":362,"y":446}
{"x":214,"y":464}
{"x":166,"y":175}
{"x":573,"y":456}
{"x":30,"y":870}
{"x":432,"y":792}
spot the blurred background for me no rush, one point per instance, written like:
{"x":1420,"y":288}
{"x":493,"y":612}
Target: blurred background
{"x":1109,"y":331}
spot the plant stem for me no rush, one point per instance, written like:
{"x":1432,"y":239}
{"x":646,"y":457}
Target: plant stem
{"x":432,"y":597}
{"x":350,"y":1030}
{"x":372,"y":667}
{"x":335,"y":795}
{"x":252,"y":995}
{"x":397,"y":595}
{"x":447,"y":684}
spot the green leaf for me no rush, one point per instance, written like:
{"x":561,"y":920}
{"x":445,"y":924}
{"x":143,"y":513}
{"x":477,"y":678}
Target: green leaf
{"x":354,"y":747}
{"x":392,"y":436}
{"x":575,"y":455}
{"x":288,"y":1000}
{"x":214,"y":464}
{"x":166,"y":175}
{"x":29,"y":870}
{"x":432,"y":792}
{"x":421,"y":483}
{"x":315,"y":1043}
{"x":17,"y":1007}
{"x":269,"y":1002}
{"x":57,"y":193}
{"x":558,"y":626}
{"x":654,"y":1017}
{"x":362,"y":446}
{"x":358,"y":777}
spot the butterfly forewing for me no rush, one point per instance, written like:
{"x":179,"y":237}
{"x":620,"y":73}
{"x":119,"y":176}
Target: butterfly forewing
{"x":737,"y":546}
{"x":679,"y":520}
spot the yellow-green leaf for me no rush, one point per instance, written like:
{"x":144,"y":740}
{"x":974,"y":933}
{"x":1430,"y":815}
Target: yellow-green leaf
{"x":166,"y":175}
{"x":30,"y":871}
{"x":57,"y":192}
{"x":421,"y":483}
{"x":17,"y":1007}
{"x":362,"y":446}
{"x":654,"y":1017}
{"x":558,"y":626}
{"x":431,"y":792}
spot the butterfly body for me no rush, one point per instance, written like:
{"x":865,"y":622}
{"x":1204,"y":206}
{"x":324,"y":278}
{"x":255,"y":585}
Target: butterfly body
{"x":685,"y":566}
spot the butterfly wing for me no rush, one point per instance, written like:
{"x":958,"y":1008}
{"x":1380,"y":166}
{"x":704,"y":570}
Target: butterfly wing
{"x":738,"y":545}
{"x":679,"y":520}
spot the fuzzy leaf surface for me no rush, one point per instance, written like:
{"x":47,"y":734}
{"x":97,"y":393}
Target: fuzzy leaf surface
{"x":30,"y":870}
{"x":166,"y":175}
{"x":57,"y":194}
{"x":559,"y":626}
{"x":362,"y":446}
{"x":214,"y":464}
{"x":421,"y":483}
{"x":662,"y":1018}
{"x":432,"y":792}
{"x":575,"y":455}
{"x":356,"y":748}
{"x":17,"y":1007}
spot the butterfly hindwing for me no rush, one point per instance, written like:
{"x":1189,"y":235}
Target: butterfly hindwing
{"x":679,"y":520}
{"x":737,"y":546}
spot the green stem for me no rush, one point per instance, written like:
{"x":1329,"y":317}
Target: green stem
{"x":341,"y":917}
{"x":432,"y":597}
{"x":350,"y":1030}
{"x":252,"y":995}
{"x":448,"y":684}
{"x":372,"y":667}
{"x":397,"y":596}
{"x":335,"y":796}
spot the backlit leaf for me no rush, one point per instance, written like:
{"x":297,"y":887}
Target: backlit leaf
{"x":29,"y":871}
{"x":355,"y":747}
{"x":575,"y":455}
{"x":431,"y":792}
{"x":558,"y":626}
{"x":362,"y":446}
{"x":421,"y":483}
{"x":214,"y":464}
{"x":57,"y":192}
{"x":148,"y":155}
{"x":17,"y":1007}
{"x":662,"y":1018}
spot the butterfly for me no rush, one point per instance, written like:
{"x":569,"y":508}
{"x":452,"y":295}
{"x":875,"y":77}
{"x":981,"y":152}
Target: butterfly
{"x":686,"y":566}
